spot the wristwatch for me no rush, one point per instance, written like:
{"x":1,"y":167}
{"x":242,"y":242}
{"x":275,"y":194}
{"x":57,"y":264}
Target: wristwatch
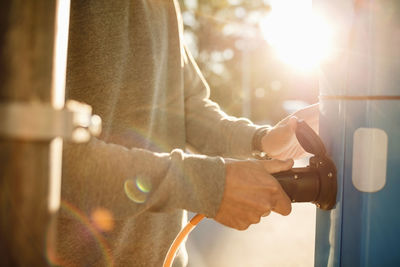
{"x":257,"y":145}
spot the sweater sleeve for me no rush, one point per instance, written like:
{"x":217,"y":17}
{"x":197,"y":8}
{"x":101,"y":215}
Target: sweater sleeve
{"x":130,"y":181}
{"x":208,"y":129}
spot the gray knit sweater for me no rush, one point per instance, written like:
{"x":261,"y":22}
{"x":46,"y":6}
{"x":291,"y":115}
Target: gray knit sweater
{"x":124,"y":194}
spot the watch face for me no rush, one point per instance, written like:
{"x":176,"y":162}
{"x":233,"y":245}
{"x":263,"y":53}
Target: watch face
{"x":309,"y":140}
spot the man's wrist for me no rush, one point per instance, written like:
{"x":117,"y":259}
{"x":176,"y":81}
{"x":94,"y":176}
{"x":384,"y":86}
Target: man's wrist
{"x":257,"y":147}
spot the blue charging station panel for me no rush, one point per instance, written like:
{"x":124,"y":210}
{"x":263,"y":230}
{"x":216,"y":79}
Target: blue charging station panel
{"x":360,"y":126}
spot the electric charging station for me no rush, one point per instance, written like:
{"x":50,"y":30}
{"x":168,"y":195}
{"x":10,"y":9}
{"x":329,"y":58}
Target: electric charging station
{"x":360,"y":126}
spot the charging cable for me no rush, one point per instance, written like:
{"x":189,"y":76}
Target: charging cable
{"x":169,"y":259}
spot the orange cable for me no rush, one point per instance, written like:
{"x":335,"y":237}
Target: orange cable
{"x":169,"y":259}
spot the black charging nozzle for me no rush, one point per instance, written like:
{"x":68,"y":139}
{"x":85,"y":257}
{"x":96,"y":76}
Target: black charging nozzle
{"x":315,"y":183}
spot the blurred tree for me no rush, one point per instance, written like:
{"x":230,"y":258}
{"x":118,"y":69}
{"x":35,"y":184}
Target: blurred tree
{"x":244,"y":76}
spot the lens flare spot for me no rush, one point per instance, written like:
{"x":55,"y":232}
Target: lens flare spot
{"x":103,"y":219}
{"x":133,"y":192}
{"x":143,"y":184}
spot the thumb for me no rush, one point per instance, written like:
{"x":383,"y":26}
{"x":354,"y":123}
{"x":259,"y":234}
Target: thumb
{"x":286,"y":130}
{"x":292,"y":123}
{"x":273,"y":166}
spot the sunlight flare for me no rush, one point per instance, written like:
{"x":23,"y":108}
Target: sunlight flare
{"x":299,"y":37}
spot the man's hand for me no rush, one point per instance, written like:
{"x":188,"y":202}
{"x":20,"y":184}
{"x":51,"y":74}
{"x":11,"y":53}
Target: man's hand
{"x":281,"y":143}
{"x":252,"y":192}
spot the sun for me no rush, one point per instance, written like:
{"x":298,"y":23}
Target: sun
{"x":299,"y":37}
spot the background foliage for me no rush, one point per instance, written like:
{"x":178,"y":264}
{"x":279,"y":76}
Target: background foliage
{"x":245,"y":77}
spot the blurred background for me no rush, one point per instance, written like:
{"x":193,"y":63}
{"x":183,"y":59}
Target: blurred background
{"x":260,"y":58}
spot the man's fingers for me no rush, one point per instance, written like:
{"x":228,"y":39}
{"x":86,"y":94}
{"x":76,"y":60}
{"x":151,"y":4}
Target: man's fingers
{"x":310,"y":115}
{"x":283,"y":203}
{"x":283,"y":207}
{"x":287,"y":129}
{"x":273,"y":166}
{"x":308,"y":112}
{"x":266,"y":213}
{"x":292,"y":123}
{"x":251,"y":192}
